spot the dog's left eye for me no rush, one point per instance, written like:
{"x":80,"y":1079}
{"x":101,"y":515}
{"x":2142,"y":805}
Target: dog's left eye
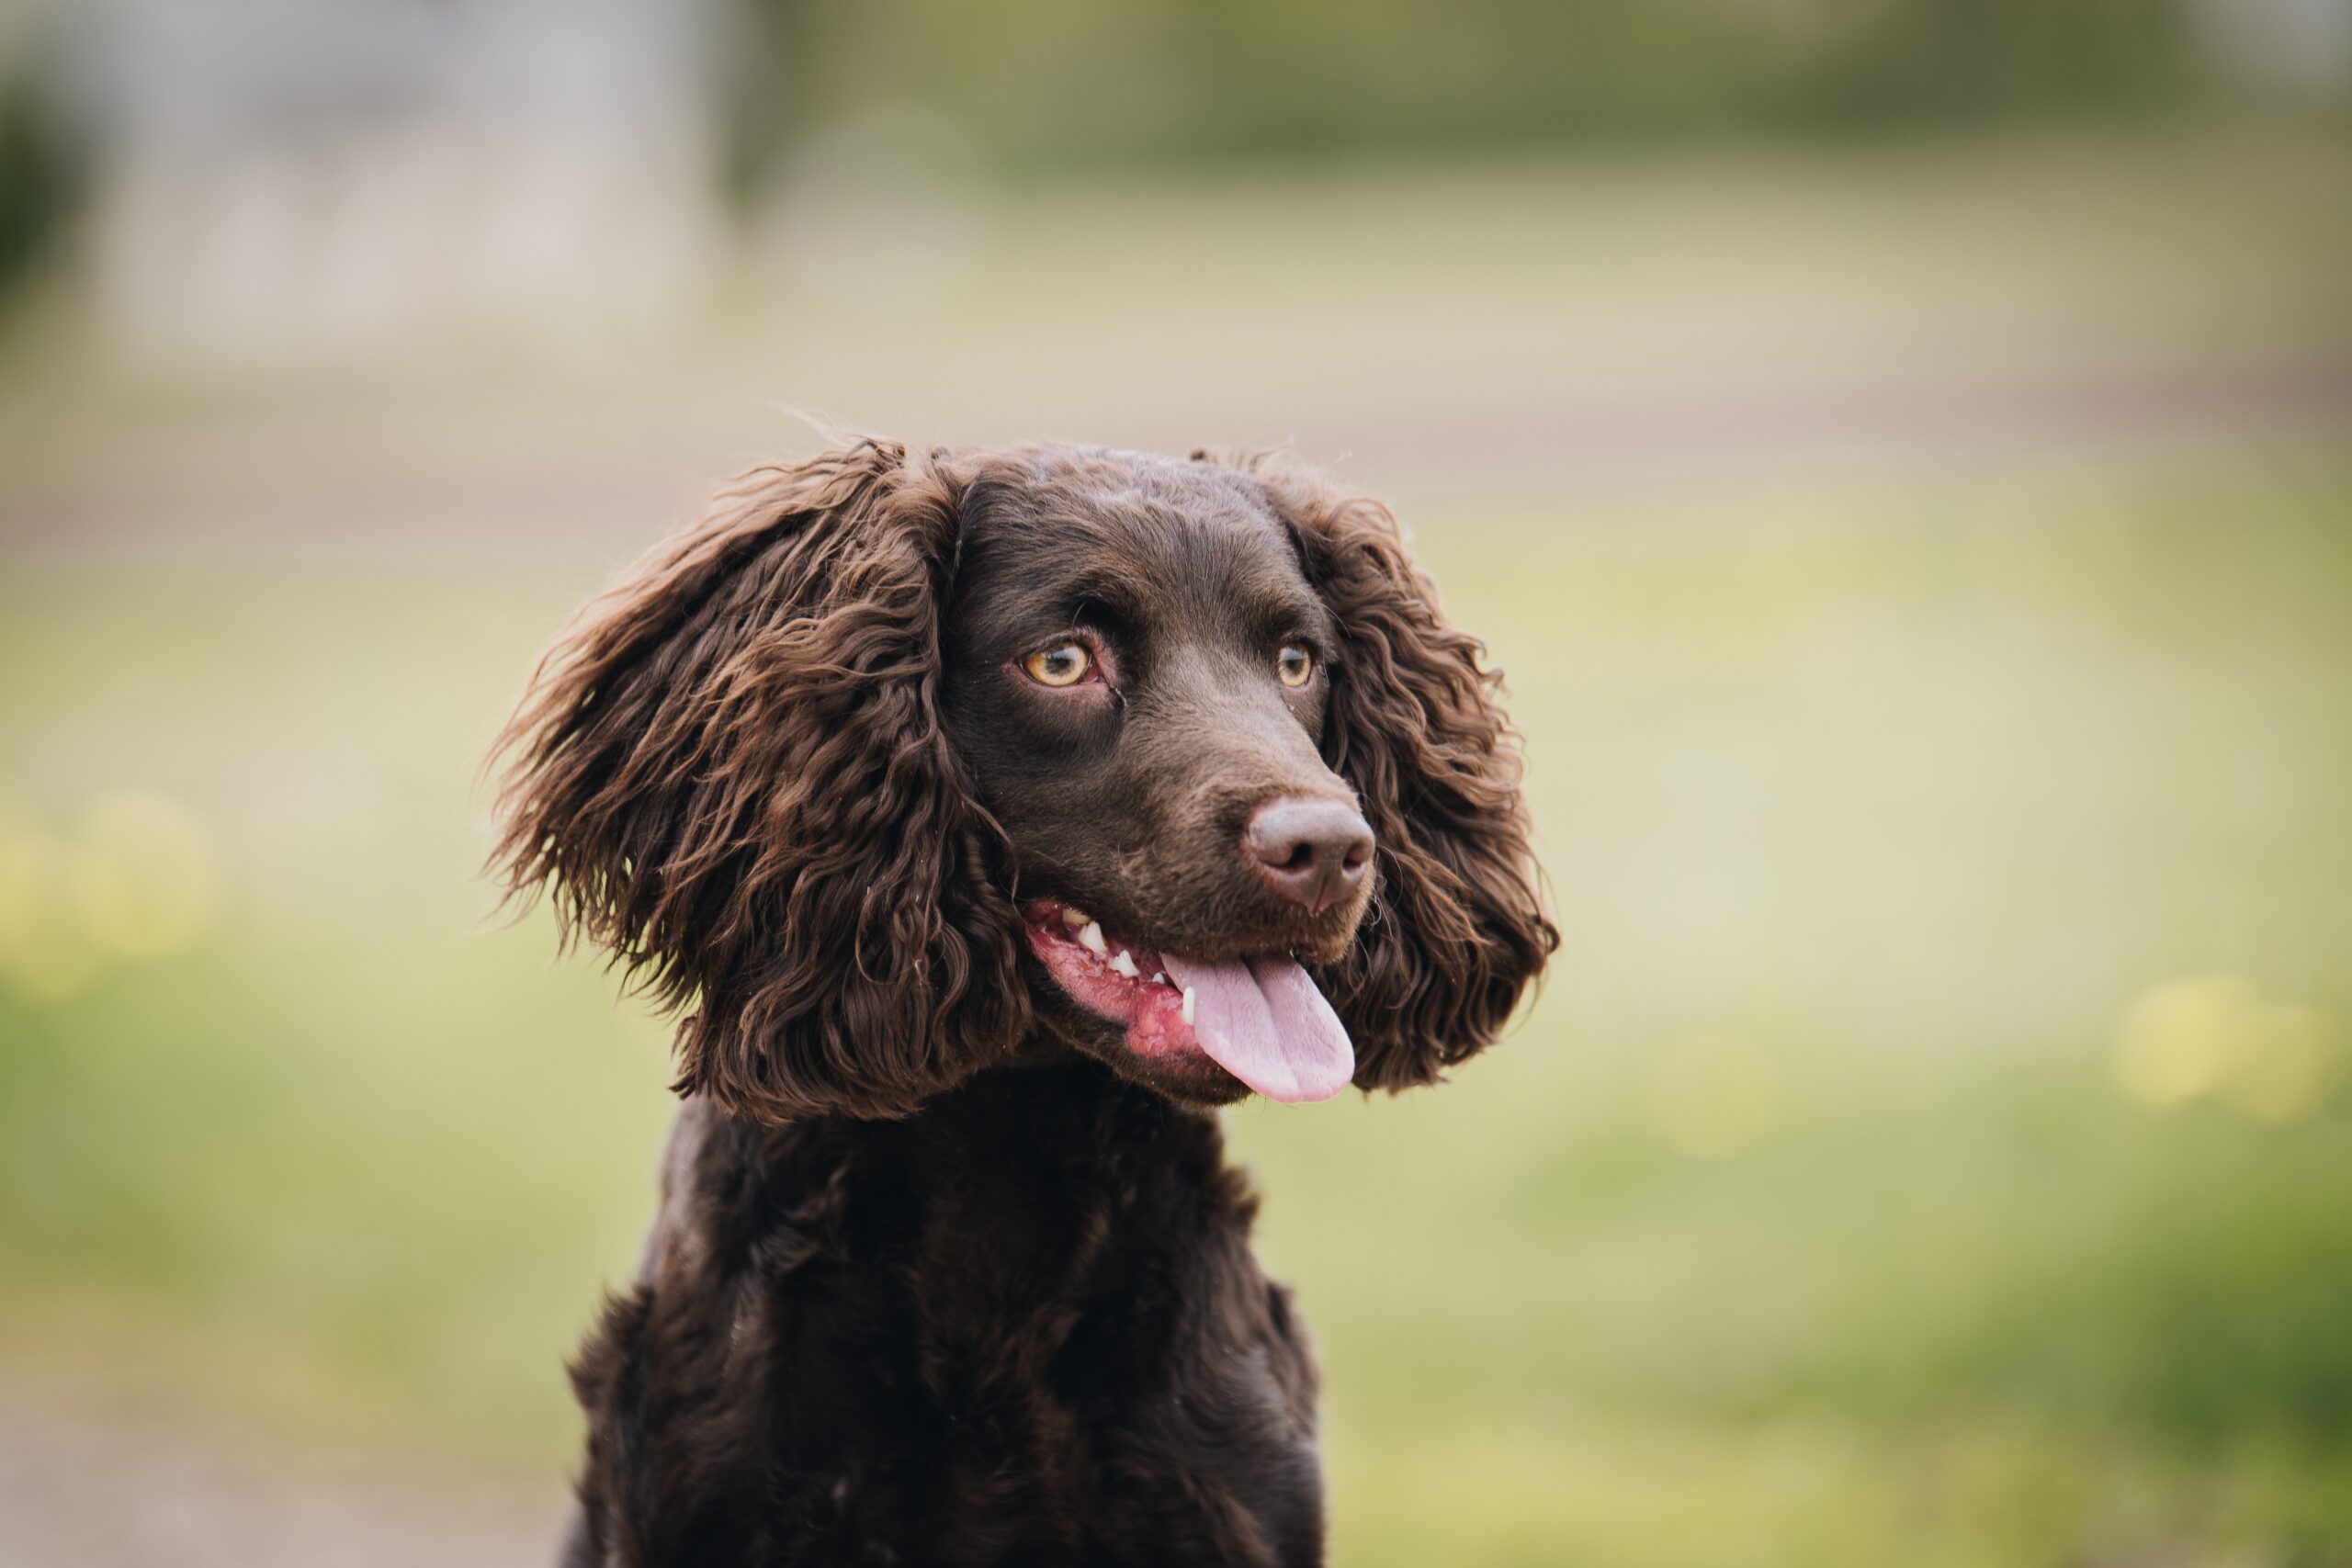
{"x":1063,"y":664}
{"x":1294,"y":664}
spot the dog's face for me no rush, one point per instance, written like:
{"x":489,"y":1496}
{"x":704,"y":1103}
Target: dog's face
{"x":899,"y":767}
{"x":1138,"y":679}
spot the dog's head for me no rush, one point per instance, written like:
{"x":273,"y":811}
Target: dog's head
{"x":901,"y":766}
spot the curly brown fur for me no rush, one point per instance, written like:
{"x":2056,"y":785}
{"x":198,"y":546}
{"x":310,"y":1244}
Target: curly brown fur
{"x":726,"y":760}
{"x":949,"y":1268}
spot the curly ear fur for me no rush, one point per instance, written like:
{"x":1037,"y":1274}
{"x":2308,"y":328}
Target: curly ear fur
{"x":1457,"y":928}
{"x":729,"y":770}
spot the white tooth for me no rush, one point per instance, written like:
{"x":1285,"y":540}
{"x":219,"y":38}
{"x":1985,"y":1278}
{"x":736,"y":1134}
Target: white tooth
{"x":1186,"y":1011}
{"x":1159,"y":977}
{"x":1073,"y":919}
{"x":1090,"y":937}
{"x":1125,"y":964}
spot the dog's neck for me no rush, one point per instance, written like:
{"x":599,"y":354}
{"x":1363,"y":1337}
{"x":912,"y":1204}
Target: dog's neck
{"x":1071,"y":1116}
{"x":1033,"y":1178}
{"x":1031,"y":1181}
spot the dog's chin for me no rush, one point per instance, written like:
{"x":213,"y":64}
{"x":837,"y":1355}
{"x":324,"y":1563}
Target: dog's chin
{"x":1201,"y":1030}
{"x":1193,"y":1080}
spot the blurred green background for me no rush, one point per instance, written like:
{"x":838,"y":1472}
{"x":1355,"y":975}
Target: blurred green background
{"x":1897,"y":451}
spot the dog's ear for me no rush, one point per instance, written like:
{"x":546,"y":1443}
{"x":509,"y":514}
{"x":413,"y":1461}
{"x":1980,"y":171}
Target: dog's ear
{"x":1458,"y":926}
{"x":729,"y":770}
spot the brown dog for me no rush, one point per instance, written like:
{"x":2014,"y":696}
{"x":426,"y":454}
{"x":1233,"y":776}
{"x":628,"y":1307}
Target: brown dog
{"x":988,"y":814}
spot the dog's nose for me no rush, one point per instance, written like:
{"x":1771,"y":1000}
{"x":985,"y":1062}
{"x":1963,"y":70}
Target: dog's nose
{"x":1313,"y":852}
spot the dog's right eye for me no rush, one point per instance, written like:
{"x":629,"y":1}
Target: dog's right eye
{"x":1063,"y":664}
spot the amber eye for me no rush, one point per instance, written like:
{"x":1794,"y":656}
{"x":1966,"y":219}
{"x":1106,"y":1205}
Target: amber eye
{"x":1063,"y":664}
{"x":1294,"y":664}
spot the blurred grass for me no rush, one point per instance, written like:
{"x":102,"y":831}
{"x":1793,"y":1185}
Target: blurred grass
{"x":1811,"y":1218}
{"x":1300,"y":79}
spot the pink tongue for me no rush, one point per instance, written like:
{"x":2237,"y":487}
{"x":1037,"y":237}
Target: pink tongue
{"x":1262,"y":1021}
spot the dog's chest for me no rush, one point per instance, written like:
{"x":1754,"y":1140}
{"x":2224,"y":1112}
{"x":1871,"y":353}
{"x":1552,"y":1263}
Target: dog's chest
{"x":1114,"y":1383}
{"x":855,"y":1339}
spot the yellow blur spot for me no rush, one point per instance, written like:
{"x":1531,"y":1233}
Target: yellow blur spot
{"x":2214,"y":1034}
{"x":146,"y":874}
{"x":2180,"y":1036}
{"x":44,"y":952}
{"x":140,"y":878}
{"x":1715,"y":1095}
{"x":2280,"y":1075}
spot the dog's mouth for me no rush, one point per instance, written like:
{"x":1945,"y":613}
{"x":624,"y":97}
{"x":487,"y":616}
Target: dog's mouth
{"x":1260,"y":1018}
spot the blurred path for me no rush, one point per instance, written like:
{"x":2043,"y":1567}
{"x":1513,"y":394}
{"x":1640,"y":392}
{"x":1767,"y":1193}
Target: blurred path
{"x":472,"y":478}
{"x":81,"y":1489}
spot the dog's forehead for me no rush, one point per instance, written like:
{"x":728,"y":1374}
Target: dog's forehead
{"x":1129,"y":527}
